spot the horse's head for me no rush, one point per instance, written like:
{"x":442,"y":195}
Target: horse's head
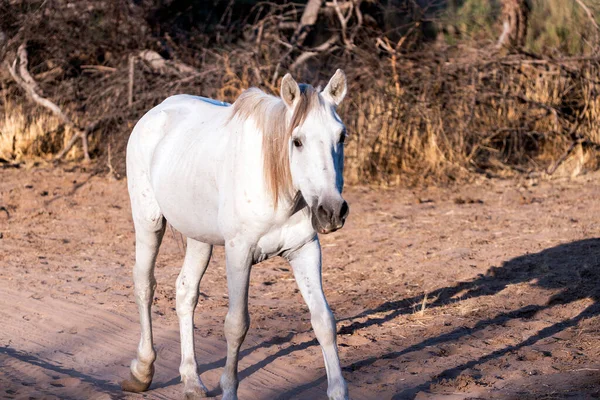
{"x":316,"y":149}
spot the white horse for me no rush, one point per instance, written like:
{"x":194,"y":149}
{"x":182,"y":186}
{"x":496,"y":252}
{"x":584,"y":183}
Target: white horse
{"x":261,"y":177}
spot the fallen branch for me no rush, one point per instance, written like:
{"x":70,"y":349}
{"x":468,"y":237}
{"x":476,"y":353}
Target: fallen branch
{"x":100,"y":68}
{"x":35,"y":97}
{"x":165,"y":67}
{"x":24,"y":79}
{"x":81,"y":133}
{"x":49,"y":75}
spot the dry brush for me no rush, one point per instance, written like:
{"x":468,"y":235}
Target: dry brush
{"x":417,"y":112}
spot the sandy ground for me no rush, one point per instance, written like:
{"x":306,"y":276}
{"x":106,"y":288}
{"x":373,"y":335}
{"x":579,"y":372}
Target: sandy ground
{"x":488,"y":290}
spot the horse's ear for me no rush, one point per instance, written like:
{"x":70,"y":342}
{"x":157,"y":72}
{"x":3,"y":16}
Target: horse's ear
{"x":335,"y":91}
{"x":290,"y":91}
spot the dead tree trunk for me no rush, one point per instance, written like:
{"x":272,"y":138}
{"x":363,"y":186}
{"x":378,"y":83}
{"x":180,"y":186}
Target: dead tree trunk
{"x":515,"y":15}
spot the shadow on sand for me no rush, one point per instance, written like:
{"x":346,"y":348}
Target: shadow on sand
{"x":102,"y":386}
{"x":573,"y":269}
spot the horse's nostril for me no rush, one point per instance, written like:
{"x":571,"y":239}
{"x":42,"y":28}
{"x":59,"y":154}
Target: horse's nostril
{"x":344,"y":210}
{"x":322,"y":211}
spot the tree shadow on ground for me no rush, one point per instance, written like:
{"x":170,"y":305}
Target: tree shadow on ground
{"x":573,"y":269}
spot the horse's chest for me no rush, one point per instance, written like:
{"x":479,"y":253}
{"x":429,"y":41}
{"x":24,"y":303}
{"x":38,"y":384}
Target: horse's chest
{"x":281,"y":241}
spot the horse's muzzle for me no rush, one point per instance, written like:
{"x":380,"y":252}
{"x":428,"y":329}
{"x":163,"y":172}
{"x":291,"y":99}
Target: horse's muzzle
{"x":329,"y":215}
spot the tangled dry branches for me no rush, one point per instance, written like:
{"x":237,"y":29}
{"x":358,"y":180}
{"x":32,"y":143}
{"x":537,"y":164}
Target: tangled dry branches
{"x":415,"y":111}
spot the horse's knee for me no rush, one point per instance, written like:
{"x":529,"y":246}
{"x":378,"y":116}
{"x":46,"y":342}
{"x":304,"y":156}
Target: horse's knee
{"x":184,"y":307}
{"x":144,"y":287}
{"x":236,"y":327}
{"x":323,"y":323}
{"x":186,"y":297}
{"x":322,"y":316}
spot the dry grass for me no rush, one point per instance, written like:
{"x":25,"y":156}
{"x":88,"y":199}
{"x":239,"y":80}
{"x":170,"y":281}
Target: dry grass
{"x":415,"y":114}
{"x":27,"y":133}
{"x":505,"y":114}
{"x":501,"y":114}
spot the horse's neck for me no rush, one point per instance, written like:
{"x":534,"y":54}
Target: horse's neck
{"x":248,"y":183}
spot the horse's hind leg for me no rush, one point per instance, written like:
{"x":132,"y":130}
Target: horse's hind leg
{"x":148,"y":236}
{"x":196,"y":260}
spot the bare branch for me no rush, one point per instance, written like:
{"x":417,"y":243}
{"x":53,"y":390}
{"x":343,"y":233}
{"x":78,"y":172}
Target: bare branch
{"x":302,"y":59}
{"x":101,"y":68}
{"x":504,"y":35}
{"x":23,"y":62}
{"x":308,"y":19}
{"x":130,"y":84}
{"x":29,"y":89}
{"x":359,"y":19}
{"x":83,"y":135}
{"x":26,"y":82}
{"x":589,"y":13}
{"x":343,"y":6}
{"x":344,"y":20}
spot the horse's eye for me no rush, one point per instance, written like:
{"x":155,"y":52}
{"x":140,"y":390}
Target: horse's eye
{"x":297,"y":143}
{"x":342,"y":137}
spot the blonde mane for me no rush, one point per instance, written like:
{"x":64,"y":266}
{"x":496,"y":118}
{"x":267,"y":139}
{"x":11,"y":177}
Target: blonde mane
{"x":269,"y":114}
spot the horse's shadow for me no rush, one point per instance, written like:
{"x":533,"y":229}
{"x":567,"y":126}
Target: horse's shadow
{"x":571,"y":269}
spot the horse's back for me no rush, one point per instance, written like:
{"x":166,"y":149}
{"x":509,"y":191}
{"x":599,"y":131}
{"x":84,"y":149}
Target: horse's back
{"x":188,"y":99}
{"x":166,"y":118}
{"x":162,"y":160}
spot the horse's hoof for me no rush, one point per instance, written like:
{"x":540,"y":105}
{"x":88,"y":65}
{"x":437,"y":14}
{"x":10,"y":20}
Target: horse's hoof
{"x":338,"y":391}
{"x":133,"y":384}
{"x":229,"y":396}
{"x":194,"y":396}
{"x":195,"y":392}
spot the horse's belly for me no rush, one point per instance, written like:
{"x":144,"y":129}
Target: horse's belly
{"x":203,"y":228}
{"x":186,"y":190}
{"x":194,"y":216}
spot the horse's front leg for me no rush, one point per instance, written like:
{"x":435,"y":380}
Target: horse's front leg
{"x":306,"y":263}
{"x":239,"y":263}
{"x":196,"y":260}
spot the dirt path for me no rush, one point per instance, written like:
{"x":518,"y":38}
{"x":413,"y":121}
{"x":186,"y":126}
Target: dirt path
{"x":484,"y":291}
